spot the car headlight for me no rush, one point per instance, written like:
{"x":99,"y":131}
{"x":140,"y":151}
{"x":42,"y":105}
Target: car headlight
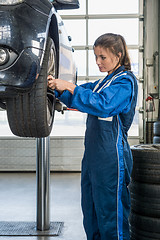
{"x":10,"y":2}
{"x":4,"y":56}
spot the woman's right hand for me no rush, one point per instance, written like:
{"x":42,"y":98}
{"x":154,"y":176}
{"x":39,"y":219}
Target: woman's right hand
{"x":60,"y":85}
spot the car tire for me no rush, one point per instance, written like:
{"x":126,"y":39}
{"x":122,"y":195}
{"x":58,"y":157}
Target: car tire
{"x":146,"y":164}
{"x":145,"y":199}
{"x":156,"y":128}
{"x":146,"y":224}
{"x":156,"y":139}
{"x":137,"y":234}
{"x":31,"y":114}
{"x":145,"y":190}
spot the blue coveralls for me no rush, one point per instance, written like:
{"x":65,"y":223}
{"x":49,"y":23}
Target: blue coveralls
{"x":107,"y":161}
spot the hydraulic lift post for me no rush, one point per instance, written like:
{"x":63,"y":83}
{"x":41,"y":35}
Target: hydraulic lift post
{"x":43,"y":184}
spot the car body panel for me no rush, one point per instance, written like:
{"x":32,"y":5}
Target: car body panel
{"x":66,"y":64}
{"x":20,"y":25}
{"x":24,"y":29}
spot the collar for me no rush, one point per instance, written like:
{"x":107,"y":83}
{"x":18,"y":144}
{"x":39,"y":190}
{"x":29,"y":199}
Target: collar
{"x":120,"y":69}
{"x":103,"y":83}
{"x":107,"y":79}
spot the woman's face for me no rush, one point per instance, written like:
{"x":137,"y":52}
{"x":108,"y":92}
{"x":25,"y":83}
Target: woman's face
{"x":106,"y":60}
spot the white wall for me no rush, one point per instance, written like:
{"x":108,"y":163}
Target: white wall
{"x":19,"y":154}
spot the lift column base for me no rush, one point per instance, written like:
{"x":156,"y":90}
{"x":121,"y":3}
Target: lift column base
{"x":28,"y":229}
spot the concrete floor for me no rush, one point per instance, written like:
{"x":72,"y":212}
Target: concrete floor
{"x":18,"y":203}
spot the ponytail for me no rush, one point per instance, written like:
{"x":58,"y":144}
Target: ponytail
{"x":116,"y":44}
{"x":125,"y":59}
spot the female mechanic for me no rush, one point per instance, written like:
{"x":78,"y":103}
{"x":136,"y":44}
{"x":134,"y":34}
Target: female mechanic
{"x":107,"y":163}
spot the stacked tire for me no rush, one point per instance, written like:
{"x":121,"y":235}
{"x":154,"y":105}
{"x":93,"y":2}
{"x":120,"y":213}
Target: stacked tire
{"x":156,"y":132}
{"x":149,"y":132}
{"x":145,"y":193}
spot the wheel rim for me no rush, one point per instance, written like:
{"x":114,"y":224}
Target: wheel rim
{"x":51,"y":63}
{"x":50,"y":95}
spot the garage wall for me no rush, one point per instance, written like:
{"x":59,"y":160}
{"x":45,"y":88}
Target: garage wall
{"x":19,"y":154}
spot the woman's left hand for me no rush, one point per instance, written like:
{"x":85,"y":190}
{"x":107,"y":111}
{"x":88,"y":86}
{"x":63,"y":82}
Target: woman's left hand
{"x":60,"y":84}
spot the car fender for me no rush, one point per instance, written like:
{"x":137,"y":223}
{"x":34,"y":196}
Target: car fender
{"x":23,"y":73}
{"x":27,"y":41}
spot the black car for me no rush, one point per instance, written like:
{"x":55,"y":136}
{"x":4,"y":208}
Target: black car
{"x":33,"y":44}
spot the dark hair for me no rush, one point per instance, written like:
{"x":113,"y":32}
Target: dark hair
{"x":116,"y":44}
